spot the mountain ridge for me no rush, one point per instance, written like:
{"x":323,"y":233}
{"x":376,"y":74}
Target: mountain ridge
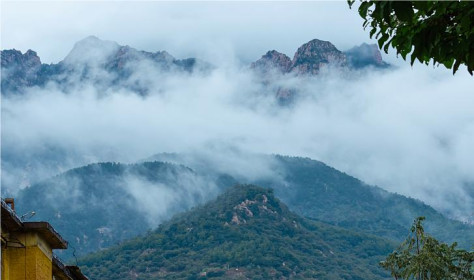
{"x":310,"y":188}
{"x":245,"y":233}
{"x":314,"y":56}
{"x":107,"y":64}
{"x":90,"y":59}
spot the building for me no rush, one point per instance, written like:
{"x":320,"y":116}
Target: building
{"x":27,"y":249}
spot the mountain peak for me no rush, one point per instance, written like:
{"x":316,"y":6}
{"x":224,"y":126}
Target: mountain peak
{"x":273,"y":60}
{"x":315,"y":54}
{"x":90,"y":38}
{"x":91,"y":50}
{"x":29,"y":59}
{"x":365,"y":55}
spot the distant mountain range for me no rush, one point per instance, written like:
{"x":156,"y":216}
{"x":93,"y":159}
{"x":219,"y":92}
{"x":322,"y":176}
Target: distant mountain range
{"x":312,"y":57}
{"x":245,"y":233}
{"x":107,"y":65}
{"x":99,"y":205}
{"x":104,"y":63}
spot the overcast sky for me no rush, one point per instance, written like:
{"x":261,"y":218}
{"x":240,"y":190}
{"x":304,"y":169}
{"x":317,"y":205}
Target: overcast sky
{"x":246,"y":29}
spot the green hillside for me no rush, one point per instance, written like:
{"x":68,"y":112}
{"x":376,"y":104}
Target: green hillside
{"x":315,"y":190}
{"x":88,"y":205}
{"x":245,"y":233}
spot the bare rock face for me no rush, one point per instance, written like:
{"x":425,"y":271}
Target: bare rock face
{"x":14,"y":58}
{"x":315,"y":55}
{"x":273,"y":60}
{"x":365,"y":55}
{"x":311,"y":57}
{"x":19,"y":70}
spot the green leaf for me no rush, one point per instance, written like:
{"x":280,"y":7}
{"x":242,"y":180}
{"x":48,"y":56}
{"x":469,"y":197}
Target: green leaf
{"x":372,"y":32}
{"x":363,"y":9}
{"x":382,"y":40}
{"x":456,"y":66}
{"x":403,"y":10}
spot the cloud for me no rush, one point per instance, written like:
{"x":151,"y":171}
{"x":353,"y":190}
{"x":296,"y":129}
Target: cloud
{"x":158,"y":201}
{"x":409,"y":130}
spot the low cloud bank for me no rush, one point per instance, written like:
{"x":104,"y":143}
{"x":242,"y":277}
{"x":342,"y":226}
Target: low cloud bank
{"x":408,"y":130}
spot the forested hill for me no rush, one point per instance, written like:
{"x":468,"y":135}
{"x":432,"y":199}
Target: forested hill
{"x":89,"y":205}
{"x":313,"y":189}
{"x":96,"y":206}
{"x":245,"y":233}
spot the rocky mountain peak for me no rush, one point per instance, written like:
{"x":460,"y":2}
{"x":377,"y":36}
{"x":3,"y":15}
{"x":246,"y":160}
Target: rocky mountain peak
{"x":312,"y":56}
{"x":273,"y":60}
{"x":104,"y":63}
{"x":365,"y":55}
{"x":91,"y":50}
{"x":15,"y":58}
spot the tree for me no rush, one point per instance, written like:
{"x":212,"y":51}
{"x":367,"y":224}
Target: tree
{"x":437,"y":31}
{"x":422,"y":257}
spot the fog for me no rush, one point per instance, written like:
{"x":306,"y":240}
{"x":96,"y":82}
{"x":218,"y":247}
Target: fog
{"x":408,"y":130}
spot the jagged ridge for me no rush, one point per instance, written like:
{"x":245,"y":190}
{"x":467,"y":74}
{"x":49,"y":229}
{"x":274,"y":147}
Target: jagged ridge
{"x":315,"y":55}
{"x":104,"y":63}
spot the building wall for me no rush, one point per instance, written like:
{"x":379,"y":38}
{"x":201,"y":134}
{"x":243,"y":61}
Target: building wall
{"x":5,"y":264}
{"x":30,"y":262}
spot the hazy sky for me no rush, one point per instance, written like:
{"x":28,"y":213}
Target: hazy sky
{"x":247,"y":29}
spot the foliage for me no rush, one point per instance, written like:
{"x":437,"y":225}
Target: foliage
{"x":438,"y":31}
{"x":315,"y":190}
{"x":246,"y":233}
{"x":422,"y":257}
{"x":88,"y":205}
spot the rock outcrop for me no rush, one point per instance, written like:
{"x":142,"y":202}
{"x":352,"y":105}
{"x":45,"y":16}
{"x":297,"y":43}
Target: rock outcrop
{"x":315,"y":55}
{"x":311,"y":57}
{"x":19,"y":70}
{"x":273,"y":60}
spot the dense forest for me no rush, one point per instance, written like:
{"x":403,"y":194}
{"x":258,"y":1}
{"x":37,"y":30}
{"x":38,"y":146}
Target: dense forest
{"x":245,"y":233}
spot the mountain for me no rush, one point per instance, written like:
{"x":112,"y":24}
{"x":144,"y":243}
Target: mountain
{"x":314,"y":190}
{"x":316,"y":55}
{"x":311,"y":59}
{"x":365,"y":55}
{"x":89,"y":205}
{"x":273,"y":60}
{"x":109,"y":67}
{"x":105,"y":64}
{"x":21,"y":71}
{"x":245,"y":233}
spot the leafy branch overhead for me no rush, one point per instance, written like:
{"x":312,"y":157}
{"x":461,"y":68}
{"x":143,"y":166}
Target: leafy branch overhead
{"x":437,"y":31}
